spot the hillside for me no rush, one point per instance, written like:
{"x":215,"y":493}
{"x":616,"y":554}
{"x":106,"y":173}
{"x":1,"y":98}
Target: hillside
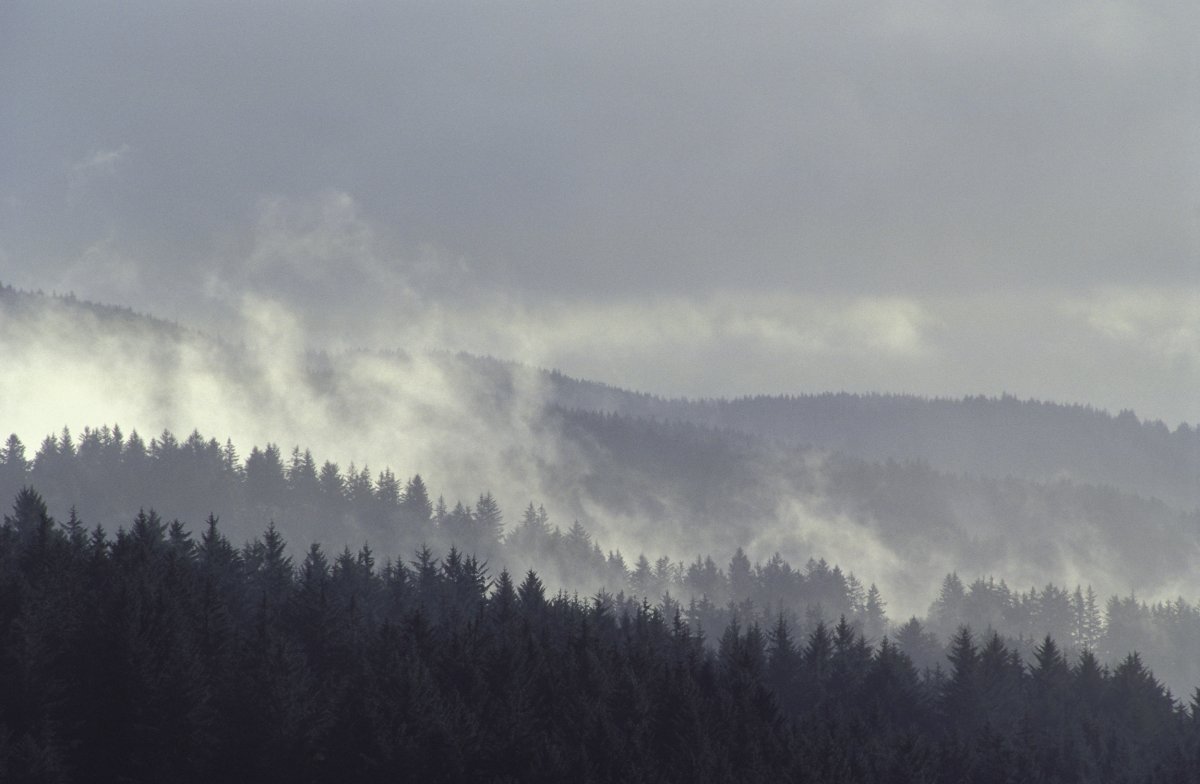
{"x":895,"y":486}
{"x":984,"y":436}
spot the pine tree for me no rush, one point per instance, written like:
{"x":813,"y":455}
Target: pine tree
{"x":1089,"y":682}
{"x":531,"y":594}
{"x":529,"y":538}
{"x":641,"y":580}
{"x":76,"y":531}
{"x":849,"y":663}
{"x":503,"y":602}
{"x":427,"y":577}
{"x":577,"y":544}
{"x":489,"y":524}
{"x":891,"y":688}
{"x":416,"y":510}
{"x":230,"y":463}
{"x":817,"y":661}
{"x":302,"y":475}
{"x":1089,"y":624}
{"x":14,"y":467}
{"x":919,"y":645}
{"x":1136,"y":700}
{"x":12,"y":455}
{"x":1000,"y":678}
{"x":266,"y":484}
{"x":783,"y":664}
{"x":946,"y":614}
{"x":269,"y":566}
{"x":741,"y":577}
{"x":387,"y":491}
{"x":874,"y":615}
{"x":960,"y":700}
{"x":29,"y":515}
{"x":458,"y":528}
{"x":331,"y":484}
{"x":360,"y":491}
{"x":1050,"y":671}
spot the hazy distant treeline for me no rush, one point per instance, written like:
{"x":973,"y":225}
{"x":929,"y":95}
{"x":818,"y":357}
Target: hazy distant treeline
{"x":155,"y":654}
{"x":982,"y":436}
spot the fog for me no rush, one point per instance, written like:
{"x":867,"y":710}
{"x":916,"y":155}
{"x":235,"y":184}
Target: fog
{"x":922,"y":197}
{"x":538,"y":386}
{"x":471,"y":427}
{"x":318,"y":267}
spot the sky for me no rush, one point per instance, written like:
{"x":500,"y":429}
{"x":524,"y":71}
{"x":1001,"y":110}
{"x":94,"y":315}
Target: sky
{"x":943,"y":198}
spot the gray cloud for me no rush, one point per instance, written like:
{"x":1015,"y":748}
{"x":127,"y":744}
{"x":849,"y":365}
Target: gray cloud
{"x":937,"y":197}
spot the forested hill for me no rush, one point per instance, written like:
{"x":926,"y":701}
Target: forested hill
{"x":658,"y":485}
{"x":663,"y":488}
{"x":983,"y":436}
{"x":672,"y":482}
{"x":671,"y":493}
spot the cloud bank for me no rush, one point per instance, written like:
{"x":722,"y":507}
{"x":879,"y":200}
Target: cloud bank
{"x":921,"y":195}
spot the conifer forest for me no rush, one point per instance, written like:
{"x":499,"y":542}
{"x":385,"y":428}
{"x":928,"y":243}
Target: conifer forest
{"x":158,"y":651}
{"x":500,"y":392}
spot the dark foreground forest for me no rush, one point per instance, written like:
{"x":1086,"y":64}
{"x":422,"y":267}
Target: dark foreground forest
{"x":159,"y":654}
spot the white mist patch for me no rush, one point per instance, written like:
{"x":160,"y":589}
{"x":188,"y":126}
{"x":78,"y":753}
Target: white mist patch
{"x":65,"y":365}
{"x":51,"y":376}
{"x":465,"y":429}
{"x":318,"y":241}
{"x":893,"y":326}
{"x":802,"y":531}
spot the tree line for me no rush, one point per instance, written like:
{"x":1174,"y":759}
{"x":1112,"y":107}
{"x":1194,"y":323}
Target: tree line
{"x":154,"y":653}
{"x":104,"y":472}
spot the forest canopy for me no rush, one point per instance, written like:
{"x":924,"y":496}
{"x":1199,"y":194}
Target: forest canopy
{"x":158,"y":653}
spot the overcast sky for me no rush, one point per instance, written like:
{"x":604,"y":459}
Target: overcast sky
{"x":958,"y":197}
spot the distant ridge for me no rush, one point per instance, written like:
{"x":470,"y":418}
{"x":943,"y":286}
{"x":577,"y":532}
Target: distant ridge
{"x":978,"y":436}
{"x":981,"y":436}
{"x":906,"y":488}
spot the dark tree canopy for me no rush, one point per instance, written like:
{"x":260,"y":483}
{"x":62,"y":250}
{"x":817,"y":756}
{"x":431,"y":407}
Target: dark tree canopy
{"x":156,"y":655}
